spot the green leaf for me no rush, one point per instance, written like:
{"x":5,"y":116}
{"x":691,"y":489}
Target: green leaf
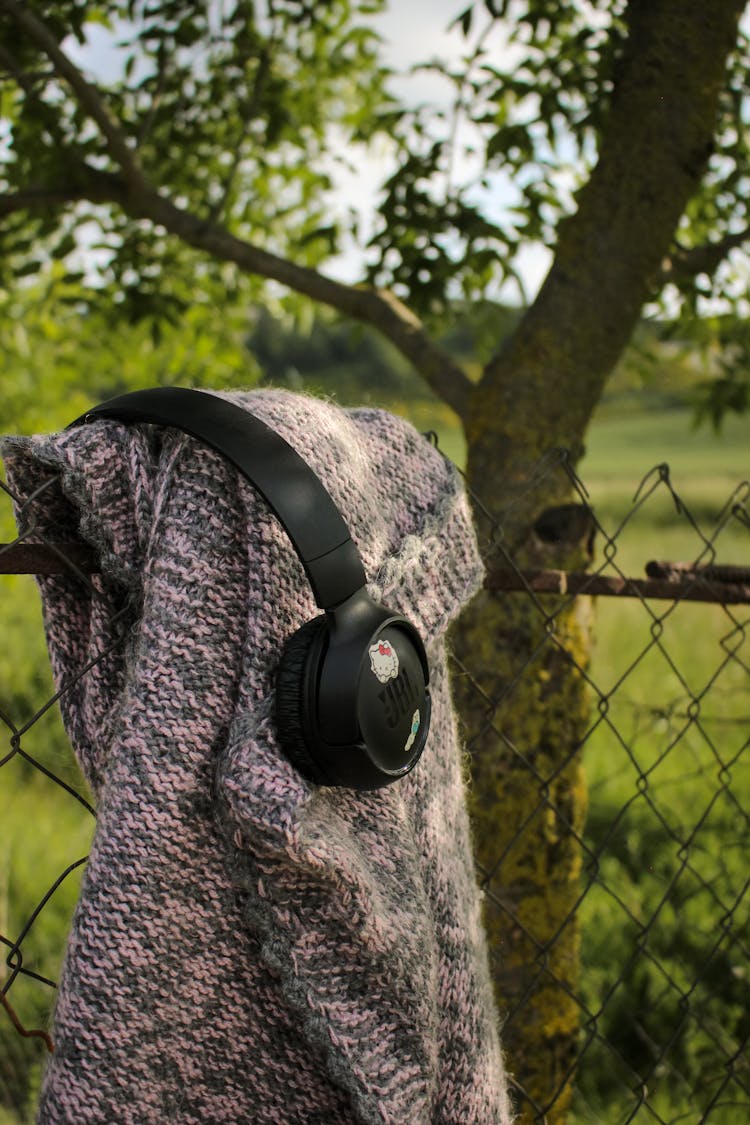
{"x":464,"y":20}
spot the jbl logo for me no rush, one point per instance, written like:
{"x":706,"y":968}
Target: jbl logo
{"x":398,"y":698}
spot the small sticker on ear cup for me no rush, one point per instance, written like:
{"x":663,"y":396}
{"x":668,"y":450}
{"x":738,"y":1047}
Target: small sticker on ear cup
{"x":383,"y":660}
{"x":415,"y":724}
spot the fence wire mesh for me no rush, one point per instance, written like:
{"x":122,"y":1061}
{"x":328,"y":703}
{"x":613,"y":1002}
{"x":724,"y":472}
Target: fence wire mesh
{"x":624,"y":995}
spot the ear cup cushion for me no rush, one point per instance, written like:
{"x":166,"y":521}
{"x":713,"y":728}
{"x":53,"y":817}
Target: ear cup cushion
{"x":295,"y":684}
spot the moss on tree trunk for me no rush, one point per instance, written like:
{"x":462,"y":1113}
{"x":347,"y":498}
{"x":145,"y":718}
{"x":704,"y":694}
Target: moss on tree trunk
{"x":524,"y":724}
{"x":528,"y":806}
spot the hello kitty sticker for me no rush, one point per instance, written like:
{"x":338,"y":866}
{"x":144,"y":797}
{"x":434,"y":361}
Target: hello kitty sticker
{"x":383,"y":660}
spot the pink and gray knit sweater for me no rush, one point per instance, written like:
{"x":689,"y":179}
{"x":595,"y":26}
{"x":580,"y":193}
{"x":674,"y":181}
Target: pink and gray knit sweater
{"x":249,"y":948}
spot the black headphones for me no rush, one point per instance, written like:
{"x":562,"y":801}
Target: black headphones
{"x":352,"y":701}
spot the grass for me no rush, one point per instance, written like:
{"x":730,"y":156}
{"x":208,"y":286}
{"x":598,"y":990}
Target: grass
{"x":44,"y":833}
{"x":622,"y":446}
{"x":664,"y":920}
{"x":45,"y":830}
{"x":705,"y":470}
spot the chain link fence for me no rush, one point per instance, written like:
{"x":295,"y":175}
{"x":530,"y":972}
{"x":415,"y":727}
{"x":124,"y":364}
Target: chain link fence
{"x":658,"y":1000}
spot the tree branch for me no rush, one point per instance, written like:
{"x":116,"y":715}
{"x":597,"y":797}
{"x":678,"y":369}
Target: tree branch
{"x":43,"y":196}
{"x":140,"y":199}
{"x":87,"y":95}
{"x":682,"y":263}
{"x":380,"y":309}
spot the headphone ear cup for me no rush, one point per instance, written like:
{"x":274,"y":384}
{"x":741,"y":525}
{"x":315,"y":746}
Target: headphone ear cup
{"x":300,"y":656}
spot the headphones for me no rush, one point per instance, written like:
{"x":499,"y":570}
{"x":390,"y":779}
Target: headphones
{"x":352,"y":697}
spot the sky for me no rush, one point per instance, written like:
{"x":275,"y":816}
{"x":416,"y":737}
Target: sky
{"x":412,"y":31}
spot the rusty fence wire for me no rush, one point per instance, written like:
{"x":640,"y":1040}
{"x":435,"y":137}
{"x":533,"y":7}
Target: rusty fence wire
{"x":625,"y":993}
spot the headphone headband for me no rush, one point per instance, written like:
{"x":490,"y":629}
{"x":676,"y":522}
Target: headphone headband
{"x":295,"y":494}
{"x":352,"y":695}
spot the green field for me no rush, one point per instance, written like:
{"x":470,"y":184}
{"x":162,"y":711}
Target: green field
{"x":669,"y":786}
{"x":669,"y":790}
{"x":625,"y":443}
{"x":705,"y":469}
{"x":44,"y":831}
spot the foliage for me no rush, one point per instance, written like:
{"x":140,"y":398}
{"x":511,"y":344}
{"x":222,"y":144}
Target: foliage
{"x":59,"y":357}
{"x":724,"y":344}
{"x":324,"y":354}
{"x":231,"y":108}
{"x":241,"y":112}
{"x":531,"y":97}
{"x":331,"y":357}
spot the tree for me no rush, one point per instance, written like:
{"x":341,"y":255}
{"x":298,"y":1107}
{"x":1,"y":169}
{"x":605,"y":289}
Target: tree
{"x":206,"y":162}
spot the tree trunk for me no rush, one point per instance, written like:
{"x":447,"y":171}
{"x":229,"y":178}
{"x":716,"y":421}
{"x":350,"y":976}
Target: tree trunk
{"x":524,"y":724}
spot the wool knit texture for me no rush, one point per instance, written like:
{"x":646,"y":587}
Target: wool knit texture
{"x":249,"y":947}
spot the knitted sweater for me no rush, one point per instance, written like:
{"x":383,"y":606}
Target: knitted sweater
{"x":250,"y":948}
